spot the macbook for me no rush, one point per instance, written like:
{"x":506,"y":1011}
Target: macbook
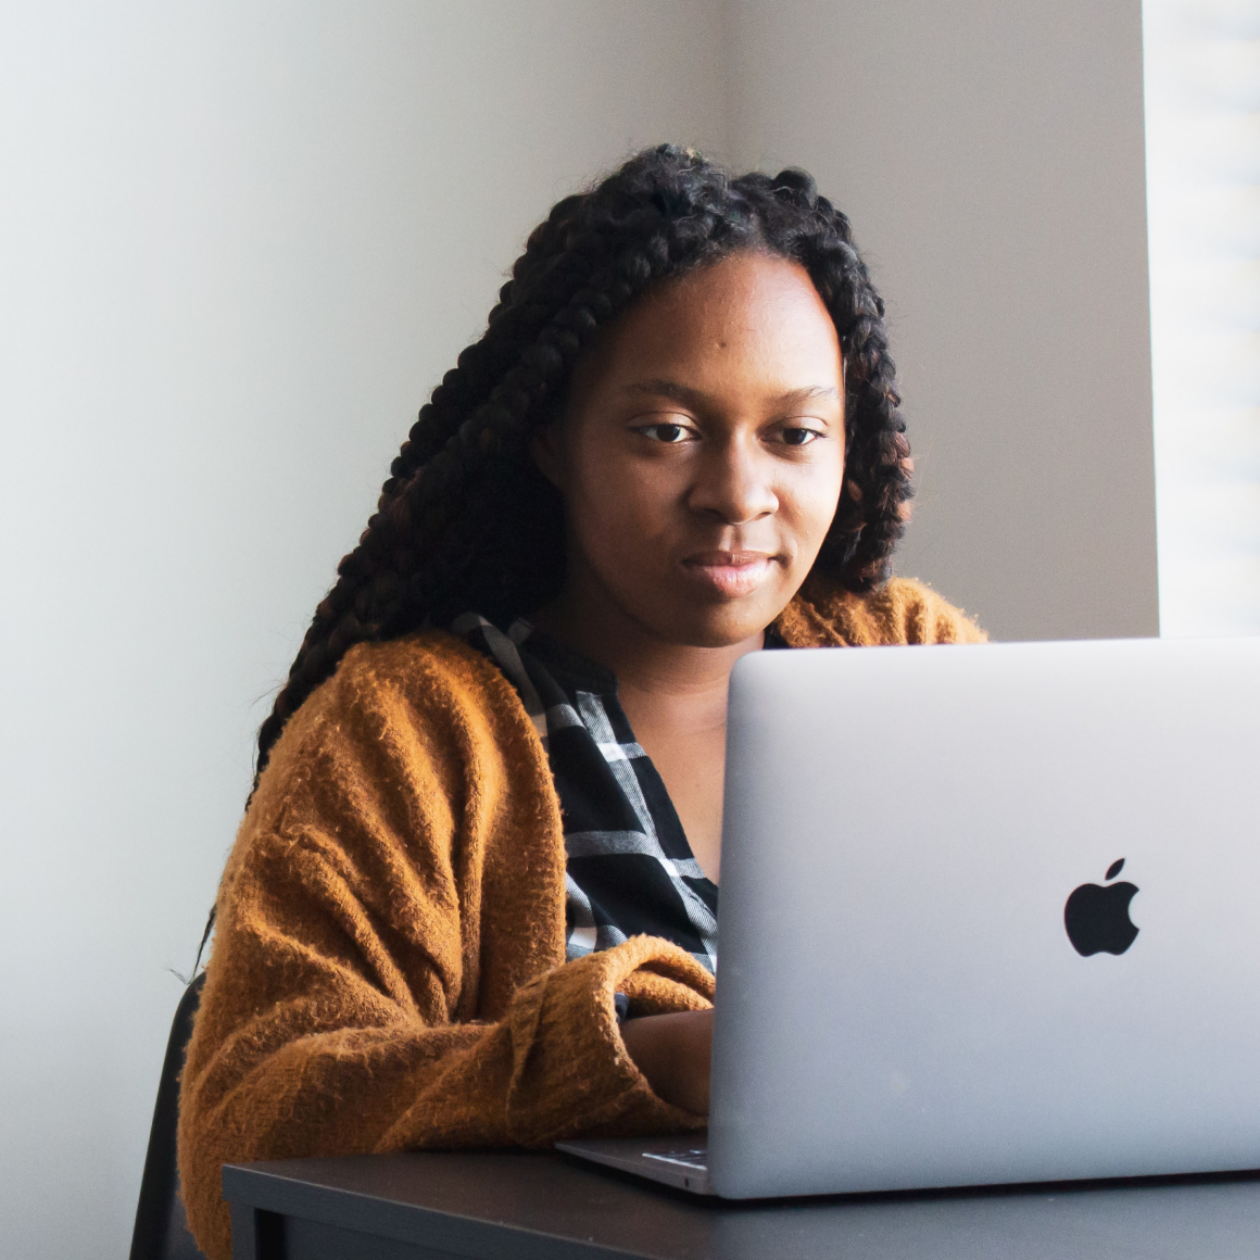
{"x":988,"y":914}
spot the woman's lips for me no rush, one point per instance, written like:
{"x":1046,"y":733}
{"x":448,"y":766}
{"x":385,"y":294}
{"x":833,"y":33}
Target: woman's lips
{"x":730,"y":573}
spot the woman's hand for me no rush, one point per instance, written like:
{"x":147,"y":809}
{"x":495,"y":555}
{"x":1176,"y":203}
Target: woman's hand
{"x":672,"y":1051}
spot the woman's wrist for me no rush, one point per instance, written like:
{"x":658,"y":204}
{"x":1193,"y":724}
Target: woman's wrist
{"x":672,"y":1051}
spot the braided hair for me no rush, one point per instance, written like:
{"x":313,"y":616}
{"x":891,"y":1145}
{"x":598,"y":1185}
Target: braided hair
{"x":466,"y":520}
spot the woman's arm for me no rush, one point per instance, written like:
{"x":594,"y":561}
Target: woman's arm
{"x":673,"y":1051}
{"x":338,"y":1067}
{"x":388,"y":966}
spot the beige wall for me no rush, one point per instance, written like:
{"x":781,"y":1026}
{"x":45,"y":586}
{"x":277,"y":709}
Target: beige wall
{"x":990,"y":155}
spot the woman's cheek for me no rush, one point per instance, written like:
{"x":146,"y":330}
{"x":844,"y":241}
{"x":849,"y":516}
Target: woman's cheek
{"x":816,"y":507}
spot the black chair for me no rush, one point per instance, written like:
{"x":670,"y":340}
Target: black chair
{"x":161,"y":1230}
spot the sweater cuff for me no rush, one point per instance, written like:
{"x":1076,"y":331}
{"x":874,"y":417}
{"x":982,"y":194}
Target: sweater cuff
{"x":571,"y":1073}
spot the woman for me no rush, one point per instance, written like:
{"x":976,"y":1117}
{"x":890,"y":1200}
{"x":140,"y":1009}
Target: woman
{"x":473,"y":901}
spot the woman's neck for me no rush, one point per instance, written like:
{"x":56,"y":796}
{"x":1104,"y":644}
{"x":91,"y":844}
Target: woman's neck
{"x":643,"y":660}
{"x":674,"y":696}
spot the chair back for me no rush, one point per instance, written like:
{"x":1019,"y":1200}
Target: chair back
{"x":161,"y":1230}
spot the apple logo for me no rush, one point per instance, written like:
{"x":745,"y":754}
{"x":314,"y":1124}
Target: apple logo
{"x":1097,"y":916}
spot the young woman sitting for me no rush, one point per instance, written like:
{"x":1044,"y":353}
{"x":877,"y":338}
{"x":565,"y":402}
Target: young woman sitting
{"x":474,"y":898}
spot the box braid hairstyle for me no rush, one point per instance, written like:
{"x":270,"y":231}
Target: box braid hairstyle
{"x":466,"y":520}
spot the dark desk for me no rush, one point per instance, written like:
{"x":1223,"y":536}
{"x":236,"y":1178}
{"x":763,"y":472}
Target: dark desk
{"x":519,"y":1206}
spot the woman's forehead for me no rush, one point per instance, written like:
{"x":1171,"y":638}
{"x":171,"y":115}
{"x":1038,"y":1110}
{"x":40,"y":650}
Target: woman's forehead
{"x":749,"y":316}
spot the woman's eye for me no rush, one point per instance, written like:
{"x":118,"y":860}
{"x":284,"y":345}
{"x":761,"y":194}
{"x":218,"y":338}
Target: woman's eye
{"x":799,"y":437}
{"x":670,"y":434}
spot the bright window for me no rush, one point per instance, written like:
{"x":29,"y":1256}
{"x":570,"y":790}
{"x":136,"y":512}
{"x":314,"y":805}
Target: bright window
{"x":1202,"y":61}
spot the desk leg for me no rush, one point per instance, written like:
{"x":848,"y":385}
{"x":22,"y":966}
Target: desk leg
{"x":256,"y":1235}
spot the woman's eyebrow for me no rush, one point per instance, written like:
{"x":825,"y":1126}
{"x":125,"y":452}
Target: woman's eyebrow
{"x":810,"y":393}
{"x":689,"y":397}
{"x":661,"y":388}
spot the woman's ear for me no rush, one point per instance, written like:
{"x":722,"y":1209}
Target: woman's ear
{"x":544,"y":449}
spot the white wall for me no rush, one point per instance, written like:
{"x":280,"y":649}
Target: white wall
{"x":990,"y":155}
{"x":238,"y":245}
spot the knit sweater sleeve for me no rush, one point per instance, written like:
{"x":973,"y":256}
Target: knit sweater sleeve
{"x":388,"y":969}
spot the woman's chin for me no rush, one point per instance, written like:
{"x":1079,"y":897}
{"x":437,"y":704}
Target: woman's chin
{"x":722,"y":623}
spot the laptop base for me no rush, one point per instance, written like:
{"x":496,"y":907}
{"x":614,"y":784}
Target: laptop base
{"x":679,"y":1160}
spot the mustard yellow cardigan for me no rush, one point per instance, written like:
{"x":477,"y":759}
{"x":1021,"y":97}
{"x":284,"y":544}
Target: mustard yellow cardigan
{"x":389,"y":966}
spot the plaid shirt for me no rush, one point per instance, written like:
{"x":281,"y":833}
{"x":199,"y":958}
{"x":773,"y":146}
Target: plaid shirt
{"x":629,"y":867}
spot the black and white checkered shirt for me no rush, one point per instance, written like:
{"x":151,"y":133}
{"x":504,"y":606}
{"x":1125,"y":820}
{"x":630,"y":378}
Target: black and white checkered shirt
{"x":630,"y":868}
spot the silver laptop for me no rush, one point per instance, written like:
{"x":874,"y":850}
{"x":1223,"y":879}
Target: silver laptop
{"x":988,"y":914}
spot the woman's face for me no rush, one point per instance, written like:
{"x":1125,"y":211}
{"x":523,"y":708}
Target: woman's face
{"x":701,"y":453}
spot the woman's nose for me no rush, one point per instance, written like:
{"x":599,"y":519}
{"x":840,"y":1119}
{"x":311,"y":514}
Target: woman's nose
{"x":735,"y":483}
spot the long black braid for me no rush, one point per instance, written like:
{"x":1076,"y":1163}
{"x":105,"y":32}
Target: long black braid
{"x":465,"y":520}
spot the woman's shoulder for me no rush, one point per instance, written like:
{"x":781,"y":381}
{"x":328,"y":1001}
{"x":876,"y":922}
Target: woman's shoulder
{"x":426,"y":694}
{"x":425,"y":664}
{"x":902,"y":610}
{"x":416,"y":675}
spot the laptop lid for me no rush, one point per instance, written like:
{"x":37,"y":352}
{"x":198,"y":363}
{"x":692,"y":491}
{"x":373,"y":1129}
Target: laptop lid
{"x":899,"y":1002}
